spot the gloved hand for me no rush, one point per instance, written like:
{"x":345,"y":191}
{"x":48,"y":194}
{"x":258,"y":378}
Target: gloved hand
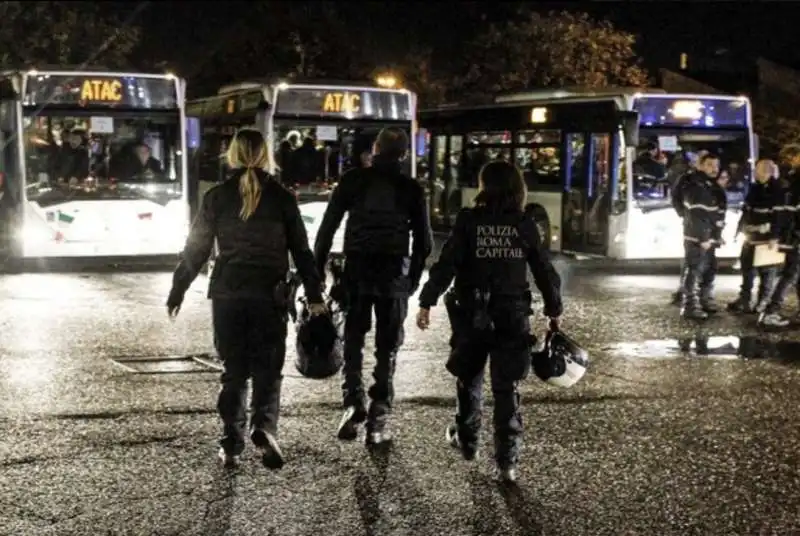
{"x":174,"y":302}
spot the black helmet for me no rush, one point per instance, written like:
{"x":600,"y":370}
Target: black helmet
{"x":561,"y":362}
{"x":319,"y":346}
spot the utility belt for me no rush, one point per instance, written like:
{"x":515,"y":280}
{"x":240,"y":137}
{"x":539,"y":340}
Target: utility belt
{"x":470,"y":309}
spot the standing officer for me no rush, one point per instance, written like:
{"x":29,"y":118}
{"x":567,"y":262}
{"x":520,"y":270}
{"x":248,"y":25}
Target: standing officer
{"x":677,"y":203}
{"x":701,"y":213}
{"x":790,"y":239}
{"x":719,"y":191}
{"x":761,"y":223}
{"x":488,"y":253}
{"x":383,"y":207}
{"x":256,"y":223}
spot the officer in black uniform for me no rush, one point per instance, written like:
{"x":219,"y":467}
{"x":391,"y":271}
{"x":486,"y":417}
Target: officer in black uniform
{"x":786,"y":212}
{"x":677,"y":204}
{"x":719,"y":191}
{"x":761,"y":223}
{"x":701,"y":213}
{"x":256,"y":223}
{"x":383,"y":207}
{"x":488,"y":253}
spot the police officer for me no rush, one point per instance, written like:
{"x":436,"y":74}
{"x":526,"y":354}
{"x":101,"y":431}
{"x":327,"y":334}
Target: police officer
{"x":383,"y":207}
{"x":701,"y":213}
{"x":760,"y":223}
{"x":676,"y":195}
{"x":719,"y":191}
{"x":256,"y":223}
{"x":790,"y":239}
{"x":488,"y":253}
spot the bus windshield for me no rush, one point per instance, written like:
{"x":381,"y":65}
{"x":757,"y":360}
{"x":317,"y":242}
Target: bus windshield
{"x":308,"y":155}
{"x":113,"y":156}
{"x":664,"y":155}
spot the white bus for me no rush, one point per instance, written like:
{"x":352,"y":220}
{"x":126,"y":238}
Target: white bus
{"x":584,"y":157}
{"x":93,"y":164}
{"x":335,"y":120}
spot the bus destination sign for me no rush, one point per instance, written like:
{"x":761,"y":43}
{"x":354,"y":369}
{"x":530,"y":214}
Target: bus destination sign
{"x":699,"y":112}
{"x":101,"y":91}
{"x":340,"y":103}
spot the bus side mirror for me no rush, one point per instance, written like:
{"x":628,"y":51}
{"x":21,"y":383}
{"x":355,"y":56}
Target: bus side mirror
{"x":630,"y":128}
{"x":756,"y":146}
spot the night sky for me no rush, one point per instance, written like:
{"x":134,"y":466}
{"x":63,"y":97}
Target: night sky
{"x":182,"y":32}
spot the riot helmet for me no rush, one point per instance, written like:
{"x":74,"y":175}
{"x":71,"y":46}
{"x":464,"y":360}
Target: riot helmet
{"x":319,"y":346}
{"x":561,"y":362}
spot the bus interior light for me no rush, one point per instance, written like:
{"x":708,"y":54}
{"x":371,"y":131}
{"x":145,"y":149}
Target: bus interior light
{"x":687,"y":110}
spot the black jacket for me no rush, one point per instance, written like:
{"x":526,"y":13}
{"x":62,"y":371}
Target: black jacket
{"x":701,"y":208}
{"x":721,"y":197}
{"x":383,"y":207}
{"x":763,"y":215}
{"x":72,"y":162}
{"x":253,"y":254}
{"x":678,"y":191}
{"x":492,"y":252}
{"x":790,"y":186}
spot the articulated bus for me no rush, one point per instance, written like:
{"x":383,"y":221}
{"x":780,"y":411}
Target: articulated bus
{"x":94,"y":164}
{"x":598,"y":164}
{"x":331,"y":119}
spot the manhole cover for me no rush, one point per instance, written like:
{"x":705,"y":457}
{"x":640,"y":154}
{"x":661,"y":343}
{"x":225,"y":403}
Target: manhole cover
{"x":166,"y":365}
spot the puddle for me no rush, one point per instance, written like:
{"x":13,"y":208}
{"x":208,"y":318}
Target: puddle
{"x":726,"y":347}
{"x":168,"y":364}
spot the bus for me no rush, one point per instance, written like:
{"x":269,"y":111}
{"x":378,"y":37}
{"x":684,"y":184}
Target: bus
{"x":93,"y":165}
{"x":598,"y":164}
{"x":336,"y":121}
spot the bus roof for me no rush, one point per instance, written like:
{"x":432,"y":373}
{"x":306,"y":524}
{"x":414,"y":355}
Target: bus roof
{"x":574,"y":92}
{"x":260,"y":83}
{"x":87,"y":72}
{"x":579,"y":94}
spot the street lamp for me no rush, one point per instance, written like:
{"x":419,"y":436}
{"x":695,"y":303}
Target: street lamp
{"x":387,"y":81}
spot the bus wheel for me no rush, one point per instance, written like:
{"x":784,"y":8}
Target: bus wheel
{"x":543,"y":226}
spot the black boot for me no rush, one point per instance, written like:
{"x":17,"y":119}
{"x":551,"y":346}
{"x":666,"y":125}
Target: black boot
{"x":691,"y":310}
{"x":378,"y":423}
{"x":742,"y":305}
{"x":353,"y":417}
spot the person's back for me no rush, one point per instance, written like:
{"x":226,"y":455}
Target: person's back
{"x":256,"y":223}
{"x":488,"y":253}
{"x":383,"y":207}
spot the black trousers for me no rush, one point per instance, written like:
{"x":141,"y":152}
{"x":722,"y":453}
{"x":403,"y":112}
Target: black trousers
{"x":506,"y":345}
{"x":766,"y":278}
{"x":699,"y":274}
{"x":250,"y":336}
{"x":786,"y":280}
{"x":390,"y":314}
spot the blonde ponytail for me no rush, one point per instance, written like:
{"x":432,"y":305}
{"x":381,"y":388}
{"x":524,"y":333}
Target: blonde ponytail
{"x":248,"y":150}
{"x":250,"y":190}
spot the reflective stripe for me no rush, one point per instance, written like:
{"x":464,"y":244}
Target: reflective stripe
{"x":764,"y":210}
{"x":701,"y":207}
{"x":697,"y":240}
{"x":763,"y":228}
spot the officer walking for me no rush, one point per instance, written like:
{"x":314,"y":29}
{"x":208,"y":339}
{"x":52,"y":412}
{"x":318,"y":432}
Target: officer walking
{"x":488,"y":253}
{"x":383,"y":207}
{"x":701,"y":214}
{"x":761,"y":223}
{"x":256,"y":223}
{"x":790,"y":241}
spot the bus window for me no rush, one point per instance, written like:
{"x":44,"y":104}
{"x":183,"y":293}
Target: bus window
{"x":526,"y":137}
{"x":541,"y":166}
{"x":438,"y":191}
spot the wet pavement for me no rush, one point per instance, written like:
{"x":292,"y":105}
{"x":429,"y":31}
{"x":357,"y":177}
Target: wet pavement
{"x":663,"y":436}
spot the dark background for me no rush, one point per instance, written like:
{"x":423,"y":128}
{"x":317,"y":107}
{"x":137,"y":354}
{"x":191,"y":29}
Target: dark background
{"x":184,"y":32}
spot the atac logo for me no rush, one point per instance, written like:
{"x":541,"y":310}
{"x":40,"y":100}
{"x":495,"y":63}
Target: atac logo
{"x":101,"y":91}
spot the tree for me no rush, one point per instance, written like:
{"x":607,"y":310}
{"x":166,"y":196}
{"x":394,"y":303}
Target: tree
{"x":415,"y":72}
{"x":775,"y":130}
{"x":553,"y":50}
{"x":63,"y":33}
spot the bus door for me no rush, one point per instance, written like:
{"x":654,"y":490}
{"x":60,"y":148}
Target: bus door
{"x":588,"y":177}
